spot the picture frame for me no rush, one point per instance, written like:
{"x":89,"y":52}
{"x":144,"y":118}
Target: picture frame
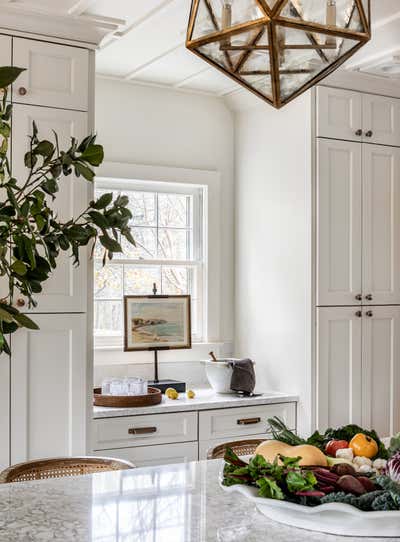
{"x":157,"y":322}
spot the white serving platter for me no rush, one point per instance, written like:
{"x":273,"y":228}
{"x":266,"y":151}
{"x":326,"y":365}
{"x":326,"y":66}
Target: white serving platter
{"x":332,"y":518}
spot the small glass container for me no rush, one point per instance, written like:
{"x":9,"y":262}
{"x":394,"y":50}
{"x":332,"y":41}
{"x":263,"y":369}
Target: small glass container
{"x":116,"y":386}
{"x":105,"y":386}
{"x":145,"y":387}
{"x":135,"y":386}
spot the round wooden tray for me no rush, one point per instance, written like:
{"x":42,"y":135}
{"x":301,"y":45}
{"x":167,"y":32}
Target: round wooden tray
{"x":153,"y":397}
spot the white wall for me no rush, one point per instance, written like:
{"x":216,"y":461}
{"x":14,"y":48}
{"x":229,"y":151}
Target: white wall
{"x":273,"y":247}
{"x":155,"y":126}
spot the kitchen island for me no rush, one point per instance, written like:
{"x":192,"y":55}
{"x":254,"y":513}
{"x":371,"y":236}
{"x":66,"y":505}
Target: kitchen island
{"x":170,"y":503}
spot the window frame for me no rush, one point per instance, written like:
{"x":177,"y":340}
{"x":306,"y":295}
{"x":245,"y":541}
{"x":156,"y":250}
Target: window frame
{"x":199,"y":257}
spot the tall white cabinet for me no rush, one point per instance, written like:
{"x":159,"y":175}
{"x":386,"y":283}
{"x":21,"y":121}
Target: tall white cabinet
{"x":44,"y":386}
{"x":357,"y":260}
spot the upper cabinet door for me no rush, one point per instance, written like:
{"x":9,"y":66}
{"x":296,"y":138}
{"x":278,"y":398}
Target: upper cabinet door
{"x":339,"y":223}
{"x":65,"y":291}
{"x":381,"y":120}
{"x":381,"y":228}
{"x":5,"y":51}
{"x":381,"y":370}
{"x":338,"y":366}
{"x":49,"y":388}
{"x":55,"y":76}
{"x":339,"y":114}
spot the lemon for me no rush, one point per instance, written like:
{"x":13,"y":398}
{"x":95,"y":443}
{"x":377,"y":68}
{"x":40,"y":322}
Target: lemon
{"x":170,"y":390}
{"x":190,"y":394}
{"x":171,"y":393}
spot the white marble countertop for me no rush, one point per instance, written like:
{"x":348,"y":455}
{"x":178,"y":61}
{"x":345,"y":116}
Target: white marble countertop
{"x":171,"y":503}
{"x":205,"y":399}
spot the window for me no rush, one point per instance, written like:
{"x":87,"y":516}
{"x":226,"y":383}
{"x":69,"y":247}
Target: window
{"x":167,"y":226}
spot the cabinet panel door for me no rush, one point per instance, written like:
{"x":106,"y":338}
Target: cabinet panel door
{"x":5,"y":51}
{"x":381,"y":370}
{"x":339,"y":114}
{"x":65,"y":291}
{"x":381,"y":120}
{"x":381,"y":229}
{"x":4,"y":411}
{"x":55,"y":76}
{"x":149,"y":456}
{"x":339,"y":223}
{"x":338,"y":366}
{"x":49,"y":388}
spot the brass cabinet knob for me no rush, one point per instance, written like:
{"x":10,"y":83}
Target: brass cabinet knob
{"x":359,"y":132}
{"x":369,"y":133}
{"x":21,"y":302}
{"x":369,"y":297}
{"x":369,"y":314}
{"x":22,"y":91}
{"x":359,"y":297}
{"x":359,"y":314}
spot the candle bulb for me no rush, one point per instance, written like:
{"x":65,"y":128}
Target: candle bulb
{"x":331,"y":20}
{"x":226,"y":21}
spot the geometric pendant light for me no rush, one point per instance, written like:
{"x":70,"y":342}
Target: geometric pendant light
{"x":278,"y":48}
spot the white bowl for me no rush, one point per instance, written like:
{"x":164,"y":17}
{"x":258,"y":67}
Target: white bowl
{"x":219,"y":374}
{"x":333,"y":518}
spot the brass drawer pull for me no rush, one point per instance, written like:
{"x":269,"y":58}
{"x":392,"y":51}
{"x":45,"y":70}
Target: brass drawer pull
{"x":248,"y":421}
{"x":141,"y":430}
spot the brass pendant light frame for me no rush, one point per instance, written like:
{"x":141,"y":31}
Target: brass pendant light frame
{"x":269,"y":23}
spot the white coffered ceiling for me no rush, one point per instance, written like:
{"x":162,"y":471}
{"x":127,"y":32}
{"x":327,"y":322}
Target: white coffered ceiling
{"x":144,"y":40}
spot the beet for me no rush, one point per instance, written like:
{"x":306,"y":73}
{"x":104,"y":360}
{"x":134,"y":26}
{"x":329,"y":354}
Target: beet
{"x":351,"y":484}
{"x":367,"y":483}
{"x":341,"y":469}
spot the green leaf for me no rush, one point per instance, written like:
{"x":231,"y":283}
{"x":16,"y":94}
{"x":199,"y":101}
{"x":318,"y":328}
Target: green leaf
{"x":44,"y":148}
{"x":94,"y":155}
{"x":50,"y":186}
{"x":28,"y":246}
{"x":394,"y":444}
{"x":30,"y":160}
{"x":19,"y":267}
{"x":24,"y":321}
{"x":98,"y":219}
{"x":103,"y":201}
{"x":290,"y":462}
{"x":83,"y":170}
{"x":300,"y":481}
{"x":8,"y":74}
{"x":110,"y":244}
{"x":270,"y":489}
{"x":4,"y":315}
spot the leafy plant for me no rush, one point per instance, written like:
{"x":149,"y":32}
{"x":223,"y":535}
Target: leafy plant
{"x":31,"y":233}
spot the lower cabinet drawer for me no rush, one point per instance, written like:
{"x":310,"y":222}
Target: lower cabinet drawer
{"x":148,"y":456}
{"x":206,"y":445}
{"x":125,"y":432}
{"x":243,"y":421}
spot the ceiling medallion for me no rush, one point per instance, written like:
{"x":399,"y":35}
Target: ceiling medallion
{"x":277,"y":48}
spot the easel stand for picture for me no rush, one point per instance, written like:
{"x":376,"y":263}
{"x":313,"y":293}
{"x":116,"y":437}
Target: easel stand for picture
{"x":164,"y":383}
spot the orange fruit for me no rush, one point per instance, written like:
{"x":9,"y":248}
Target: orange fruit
{"x":363,"y":446}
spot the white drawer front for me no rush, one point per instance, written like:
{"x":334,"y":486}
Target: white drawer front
{"x":206,"y":445}
{"x":149,"y":456}
{"x":144,"y":430}
{"x":244,"y":421}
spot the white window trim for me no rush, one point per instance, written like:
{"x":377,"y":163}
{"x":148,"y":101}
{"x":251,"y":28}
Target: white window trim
{"x":210,"y":181}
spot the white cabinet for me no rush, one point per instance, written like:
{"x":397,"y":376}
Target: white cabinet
{"x":144,"y":430}
{"x":381,"y":225}
{"x":381,"y":370}
{"x":339,"y":223}
{"x":49,"y":388}
{"x":358,"y":224}
{"x":5,"y":50}
{"x":339,"y":368}
{"x":381,"y":120}
{"x":339,"y":114}
{"x":148,"y":456}
{"x":55,"y":76}
{"x":355,"y":116}
{"x":358,"y":367}
{"x":65,"y":291}
{"x":4,"y":411}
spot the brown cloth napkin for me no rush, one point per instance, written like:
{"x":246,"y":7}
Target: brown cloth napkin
{"x":243,"y":376}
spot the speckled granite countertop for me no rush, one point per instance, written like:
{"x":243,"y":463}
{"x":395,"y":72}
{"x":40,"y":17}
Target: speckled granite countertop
{"x":205,"y":399}
{"x":171,"y":503}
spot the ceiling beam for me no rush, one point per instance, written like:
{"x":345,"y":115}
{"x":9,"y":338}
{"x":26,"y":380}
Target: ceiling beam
{"x":81,"y":6}
{"x":143,"y":66}
{"x":185,"y":80}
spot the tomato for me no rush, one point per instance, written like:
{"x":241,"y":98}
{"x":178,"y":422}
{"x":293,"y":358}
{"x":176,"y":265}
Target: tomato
{"x":364,"y":446}
{"x":334,"y":445}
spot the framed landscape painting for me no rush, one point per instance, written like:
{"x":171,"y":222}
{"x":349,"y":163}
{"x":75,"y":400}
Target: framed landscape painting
{"x":157,"y":322}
